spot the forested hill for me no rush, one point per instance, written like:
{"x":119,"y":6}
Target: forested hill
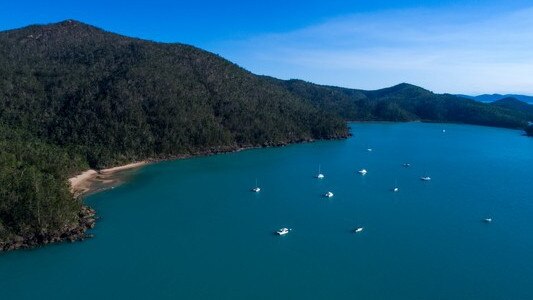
{"x":120,"y":98}
{"x":515,"y":104}
{"x":73,"y":96}
{"x":404,"y":102}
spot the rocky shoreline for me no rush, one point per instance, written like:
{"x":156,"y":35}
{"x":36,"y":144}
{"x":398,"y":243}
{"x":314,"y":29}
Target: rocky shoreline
{"x":71,"y":233}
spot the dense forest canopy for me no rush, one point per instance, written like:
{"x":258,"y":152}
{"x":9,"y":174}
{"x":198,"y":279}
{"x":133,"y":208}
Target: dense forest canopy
{"x":73,"y":97}
{"x":516,"y":105}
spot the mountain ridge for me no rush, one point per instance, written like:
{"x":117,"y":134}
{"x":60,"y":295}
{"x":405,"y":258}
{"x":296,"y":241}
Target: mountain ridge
{"x":496,"y":97}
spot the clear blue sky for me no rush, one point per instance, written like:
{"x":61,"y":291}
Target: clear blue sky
{"x":447,"y":46}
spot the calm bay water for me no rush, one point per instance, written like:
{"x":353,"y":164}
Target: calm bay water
{"x":191,"y":229}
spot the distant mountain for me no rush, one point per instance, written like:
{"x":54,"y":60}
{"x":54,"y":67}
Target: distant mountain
{"x":515,"y":104}
{"x":403,"y":102}
{"x":496,"y":97}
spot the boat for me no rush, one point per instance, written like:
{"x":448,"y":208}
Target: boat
{"x":407,"y":165}
{"x":283,"y":231}
{"x":328,"y":195}
{"x":444,"y":131}
{"x":320,"y":175}
{"x":256,"y":189}
{"x":358,"y":229}
{"x":362,"y":171}
{"x":395,"y":189}
{"x":425,"y":178}
{"x":369,"y":149}
{"x":487,"y":220}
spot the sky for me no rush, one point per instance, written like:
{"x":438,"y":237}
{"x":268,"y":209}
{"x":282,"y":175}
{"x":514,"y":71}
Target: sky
{"x":469,"y":47}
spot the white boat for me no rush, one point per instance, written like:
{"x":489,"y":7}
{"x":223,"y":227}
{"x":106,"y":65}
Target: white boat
{"x":487,"y":220}
{"x":425,"y":178}
{"x":256,"y":189}
{"x":444,"y":131}
{"x":320,"y":175}
{"x":407,"y":165}
{"x":395,"y":189}
{"x":283,"y":231}
{"x":328,"y":194}
{"x":358,"y":229}
{"x":369,"y":149}
{"x":362,"y":171}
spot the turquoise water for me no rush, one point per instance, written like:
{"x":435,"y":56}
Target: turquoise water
{"x":191,"y":229}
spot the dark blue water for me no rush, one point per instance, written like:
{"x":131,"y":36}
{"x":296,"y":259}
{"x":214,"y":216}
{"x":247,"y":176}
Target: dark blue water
{"x":191,"y":229}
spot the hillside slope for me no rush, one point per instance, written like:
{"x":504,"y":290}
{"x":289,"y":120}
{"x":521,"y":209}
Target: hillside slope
{"x":516,"y":105}
{"x":404,"y":102}
{"x":123,"y":98}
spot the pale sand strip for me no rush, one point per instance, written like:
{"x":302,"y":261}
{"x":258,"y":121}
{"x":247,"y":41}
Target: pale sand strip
{"x":76,"y":181}
{"x":83,"y":182}
{"x":124,"y":167}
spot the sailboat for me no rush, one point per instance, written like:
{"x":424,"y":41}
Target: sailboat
{"x":357,"y":228}
{"x":396,"y":188}
{"x":319,"y":175}
{"x":256,"y":189}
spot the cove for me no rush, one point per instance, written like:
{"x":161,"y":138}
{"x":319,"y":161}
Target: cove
{"x":192,"y":229}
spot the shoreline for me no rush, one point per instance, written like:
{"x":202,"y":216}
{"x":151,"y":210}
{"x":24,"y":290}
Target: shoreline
{"x":88,"y":181}
{"x":91,"y":181}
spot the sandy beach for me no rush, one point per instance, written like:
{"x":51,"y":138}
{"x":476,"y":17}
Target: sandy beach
{"x":89,"y":180}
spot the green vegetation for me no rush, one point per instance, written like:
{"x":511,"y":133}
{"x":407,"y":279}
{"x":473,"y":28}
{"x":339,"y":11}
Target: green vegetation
{"x":73,"y":96}
{"x":515,"y":105}
{"x":405,"y":102}
{"x":35,"y":197}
